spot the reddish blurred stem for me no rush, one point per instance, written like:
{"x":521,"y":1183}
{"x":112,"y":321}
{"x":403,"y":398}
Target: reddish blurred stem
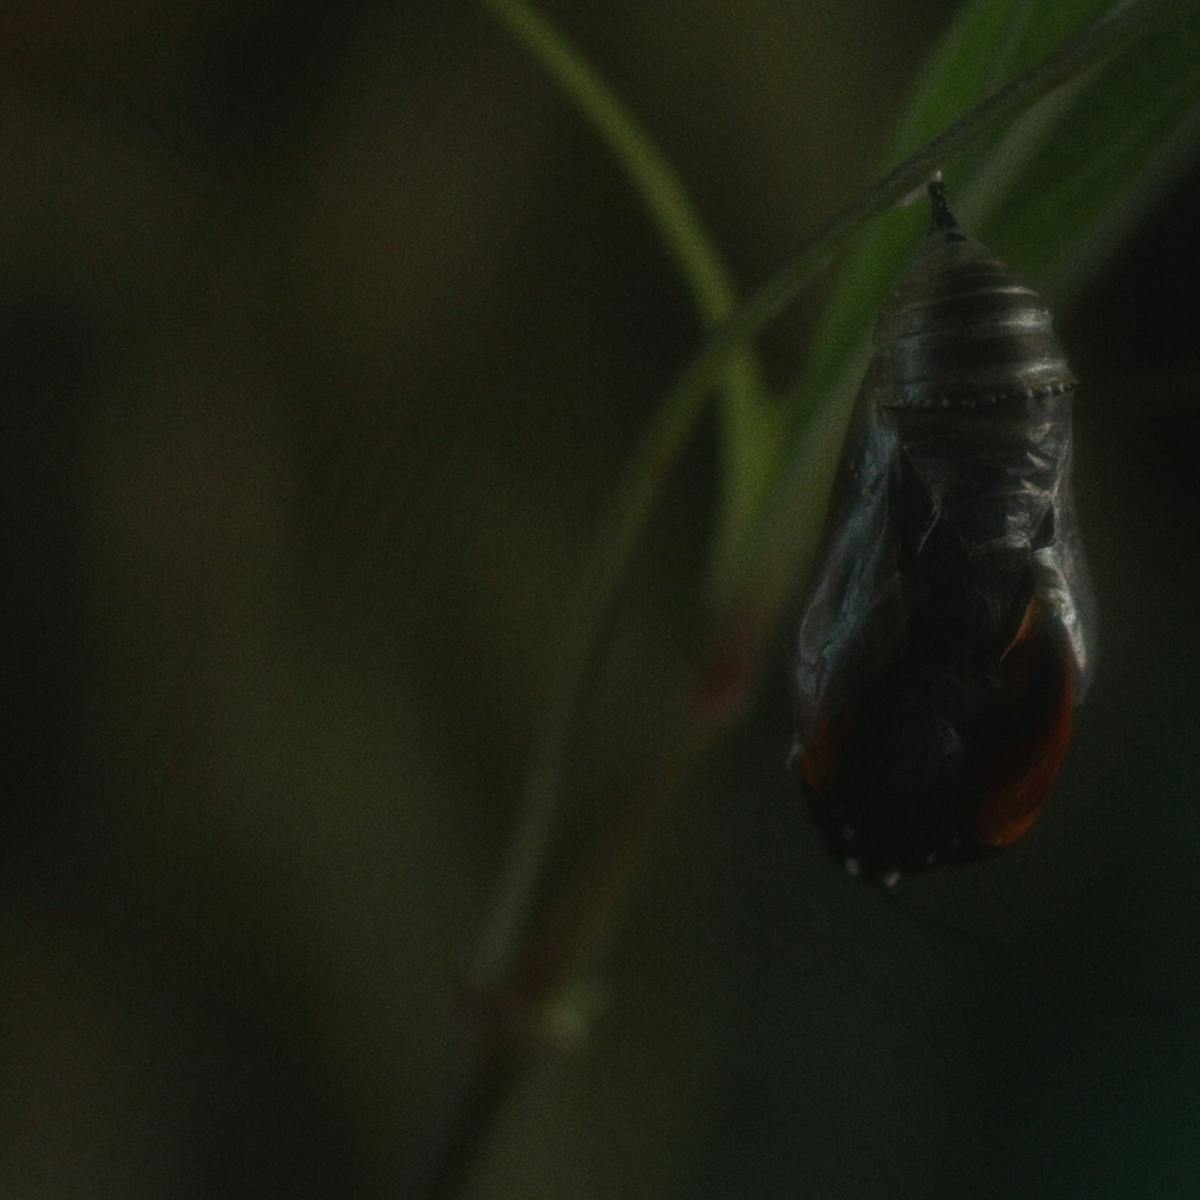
{"x":506,"y":1031}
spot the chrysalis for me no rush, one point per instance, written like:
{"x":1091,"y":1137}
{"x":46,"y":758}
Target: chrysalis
{"x":949,"y":633}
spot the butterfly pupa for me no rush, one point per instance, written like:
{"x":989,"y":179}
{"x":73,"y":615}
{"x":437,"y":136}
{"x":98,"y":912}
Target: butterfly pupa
{"x":949,"y":633}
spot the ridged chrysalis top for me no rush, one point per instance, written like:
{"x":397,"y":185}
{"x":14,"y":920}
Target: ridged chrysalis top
{"x":949,"y":632}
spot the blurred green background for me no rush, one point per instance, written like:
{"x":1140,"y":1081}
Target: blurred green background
{"x":325,"y":331}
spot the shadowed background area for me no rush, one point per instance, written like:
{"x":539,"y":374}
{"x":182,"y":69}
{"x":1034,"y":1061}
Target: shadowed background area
{"x":325,"y":330}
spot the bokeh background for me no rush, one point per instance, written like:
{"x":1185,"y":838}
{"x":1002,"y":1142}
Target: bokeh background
{"x":325,"y":330}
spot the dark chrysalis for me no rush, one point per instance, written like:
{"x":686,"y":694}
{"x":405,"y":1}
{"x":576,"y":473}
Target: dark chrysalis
{"x":948,"y":636}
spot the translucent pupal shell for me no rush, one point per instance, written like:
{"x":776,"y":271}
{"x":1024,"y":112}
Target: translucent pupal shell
{"x":948,"y":634}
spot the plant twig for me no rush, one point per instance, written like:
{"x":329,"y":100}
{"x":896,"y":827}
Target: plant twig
{"x":505,"y":1030}
{"x":652,"y":177}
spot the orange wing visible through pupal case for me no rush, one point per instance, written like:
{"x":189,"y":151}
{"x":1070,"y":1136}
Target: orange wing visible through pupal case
{"x":1028,"y":748}
{"x":948,"y":634}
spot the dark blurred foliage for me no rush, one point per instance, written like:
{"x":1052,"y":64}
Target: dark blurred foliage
{"x":324,"y":331}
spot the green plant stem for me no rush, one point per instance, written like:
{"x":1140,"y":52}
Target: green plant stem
{"x":482,"y":1081}
{"x":504,"y":1031}
{"x":654,"y":180}
{"x":747,"y":414}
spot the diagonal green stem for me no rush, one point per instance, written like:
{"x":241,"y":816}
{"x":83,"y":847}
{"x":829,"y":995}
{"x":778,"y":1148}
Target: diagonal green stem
{"x":747,"y":417}
{"x":654,"y":180}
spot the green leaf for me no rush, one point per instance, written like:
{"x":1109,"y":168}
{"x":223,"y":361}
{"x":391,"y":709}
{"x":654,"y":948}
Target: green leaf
{"x":1119,"y":143}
